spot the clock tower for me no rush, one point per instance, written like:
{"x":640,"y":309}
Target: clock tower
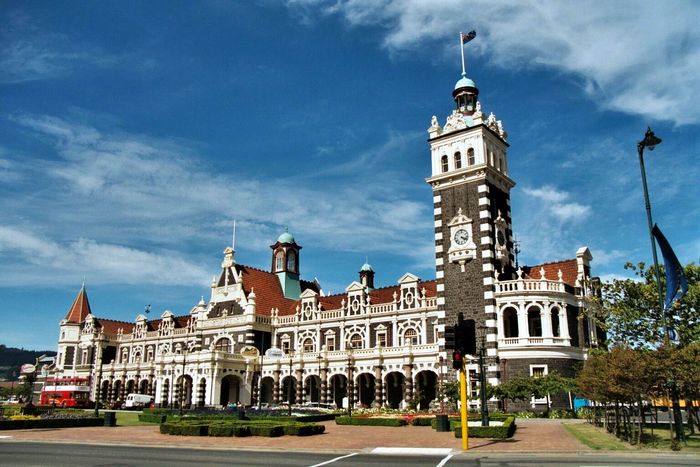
{"x":471,"y":201}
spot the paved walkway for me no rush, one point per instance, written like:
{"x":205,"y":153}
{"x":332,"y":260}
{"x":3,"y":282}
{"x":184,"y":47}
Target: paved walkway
{"x":531,"y":436}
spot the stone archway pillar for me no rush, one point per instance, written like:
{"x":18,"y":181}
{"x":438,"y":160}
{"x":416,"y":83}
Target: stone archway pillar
{"x":324,"y":386}
{"x":276,"y":386}
{"x":408,"y":375}
{"x":299,"y":375}
{"x":378,"y":386}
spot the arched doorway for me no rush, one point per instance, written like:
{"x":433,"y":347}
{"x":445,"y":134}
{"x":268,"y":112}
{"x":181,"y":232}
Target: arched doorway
{"x":266,"y":387}
{"x":395,"y":384}
{"x":312,"y":389}
{"x":426,"y":387}
{"x":230,"y":390}
{"x":534,"y":320}
{"x":130,"y":386}
{"x":286,"y":391}
{"x":365,"y":389}
{"x":338,"y":386}
{"x":143,"y":386}
{"x":104,"y":391}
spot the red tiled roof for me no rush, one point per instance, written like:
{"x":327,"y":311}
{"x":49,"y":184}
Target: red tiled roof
{"x":268,"y":291}
{"x":568,"y":267}
{"x":80,"y":307}
{"x":110,"y":326}
{"x":380,"y":295}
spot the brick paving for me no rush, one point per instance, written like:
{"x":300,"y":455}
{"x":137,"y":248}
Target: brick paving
{"x":531,"y":436}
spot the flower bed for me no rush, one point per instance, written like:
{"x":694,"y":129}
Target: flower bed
{"x":371,"y":421}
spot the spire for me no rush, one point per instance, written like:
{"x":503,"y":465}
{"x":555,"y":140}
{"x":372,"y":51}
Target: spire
{"x":80,"y":307}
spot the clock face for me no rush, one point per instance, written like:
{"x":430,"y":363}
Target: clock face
{"x":461,"y":237}
{"x":501,"y":238}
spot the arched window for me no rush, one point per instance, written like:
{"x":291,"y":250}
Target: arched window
{"x":510,"y":323}
{"x":410,"y":337}
{"x":556,"y":326}
{"x":444,"y":163}
{"x":279,"y":261}
{"x":308,"y":345}
{"x":534,"y":321}
{"x":291,"y":261}
{"x":356,"y":341}
{"x":471,"y":160}
{"x":223,"y":345}
{"x":458,"y":160}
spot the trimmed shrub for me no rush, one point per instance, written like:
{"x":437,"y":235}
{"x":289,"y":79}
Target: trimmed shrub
{"x":152,"y":418}
{"x":304,"y":429}
{"x":499,"y":432}
{"x":269,"y":431}
{"x":423,"y":421}
{"x":374,"y":421}
{"x":220,"y":430}
{"x":50,"y":423}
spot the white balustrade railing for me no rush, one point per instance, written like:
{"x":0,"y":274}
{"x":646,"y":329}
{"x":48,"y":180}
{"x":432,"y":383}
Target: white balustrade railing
{"x":534,"y":341}
{"x":529,"y":285}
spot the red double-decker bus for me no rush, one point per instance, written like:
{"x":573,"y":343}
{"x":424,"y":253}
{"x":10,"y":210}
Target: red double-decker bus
{"x":66,"y":392}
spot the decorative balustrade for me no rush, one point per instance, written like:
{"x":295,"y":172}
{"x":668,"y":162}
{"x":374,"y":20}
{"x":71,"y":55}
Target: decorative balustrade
{"x":222,"y":321}
{"x":529,"y":285}
{"x":311,"y":358}
{"x":534,"y":341}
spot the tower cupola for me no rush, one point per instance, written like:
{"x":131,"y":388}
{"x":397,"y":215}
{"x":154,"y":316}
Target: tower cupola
{"x":285,"y":264}
{"x":465,"y":95}
{"x":367,"y":276}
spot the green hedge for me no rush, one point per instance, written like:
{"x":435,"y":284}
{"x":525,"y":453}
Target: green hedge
{"x":51,"y":423}
{"x":270,"y":431}
{"x":423,"y":421}
{"x":304,"y":429}
{"x":152,"y":418}
{"x":501,"y":432}
{"x":373,"y":421}
{"x":229,"y":430}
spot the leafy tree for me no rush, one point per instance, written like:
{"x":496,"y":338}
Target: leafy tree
{"x":629,"y":308}
{"x":519,"y":388}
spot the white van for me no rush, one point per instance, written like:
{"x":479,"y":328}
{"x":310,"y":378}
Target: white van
{"x":137,"y":401}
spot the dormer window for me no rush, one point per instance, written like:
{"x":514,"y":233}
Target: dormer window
{"x":458,"y":160}
{"x":445,"y":164}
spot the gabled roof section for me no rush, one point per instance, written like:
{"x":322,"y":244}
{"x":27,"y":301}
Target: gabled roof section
{"x":568,"y":267}
{"x":268,"y":292}
{"x":80,"y":307}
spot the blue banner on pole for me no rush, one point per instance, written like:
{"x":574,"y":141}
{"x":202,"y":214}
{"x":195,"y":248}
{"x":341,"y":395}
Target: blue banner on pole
{"x":676,"y":283}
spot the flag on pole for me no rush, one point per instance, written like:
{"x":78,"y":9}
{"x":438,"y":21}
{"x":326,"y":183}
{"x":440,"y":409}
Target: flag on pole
{"x":467,"y":36}
{"x":676,"y":283}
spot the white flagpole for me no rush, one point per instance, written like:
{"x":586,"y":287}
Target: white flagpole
{"x":461,"y":45}
{"x":233,"y":240}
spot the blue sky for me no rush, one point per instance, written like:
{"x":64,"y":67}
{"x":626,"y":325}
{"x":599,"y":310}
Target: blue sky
{"x":132,"y":134}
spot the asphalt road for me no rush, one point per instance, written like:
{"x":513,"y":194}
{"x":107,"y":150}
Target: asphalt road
{"x":14,"y":453}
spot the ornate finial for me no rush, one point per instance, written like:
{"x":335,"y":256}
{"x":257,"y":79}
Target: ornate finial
{"x":542,"y":273}
{"x":560,"y":275}
{"x":147,"y":310}
{"x":519,"y":272}
{"x":459,"y":211}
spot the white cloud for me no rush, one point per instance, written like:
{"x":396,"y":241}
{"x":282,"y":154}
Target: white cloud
{"x":555,"y":201}
{"x":635,"y":57}
{"x":103,"y":263}
{"x":141,"y":202}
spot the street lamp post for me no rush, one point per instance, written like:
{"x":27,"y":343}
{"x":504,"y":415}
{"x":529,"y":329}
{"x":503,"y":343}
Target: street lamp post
{"x":181,"y":399}
{"x":482,"y":378}
{"x":289,"y":390}
{"x":98,"y":379}
{"x":650,"y":141}
{"x":351,"y":385}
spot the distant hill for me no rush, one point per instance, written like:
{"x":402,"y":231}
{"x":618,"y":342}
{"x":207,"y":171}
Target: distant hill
{"x":12,"y":358}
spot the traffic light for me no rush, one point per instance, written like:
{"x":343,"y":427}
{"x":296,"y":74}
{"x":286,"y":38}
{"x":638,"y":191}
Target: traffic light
{"x":449,"y":337}
{"x":465,"y":335}
{"x":457,"y":360}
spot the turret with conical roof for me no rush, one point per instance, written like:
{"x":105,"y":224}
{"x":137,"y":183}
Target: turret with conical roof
{"x":80,"y":307}
{"x":465,"y":95}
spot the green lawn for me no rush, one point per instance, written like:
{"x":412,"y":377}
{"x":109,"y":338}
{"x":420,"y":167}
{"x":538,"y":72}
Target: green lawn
{"x":129,"y":419}
{"x":599,"y":439}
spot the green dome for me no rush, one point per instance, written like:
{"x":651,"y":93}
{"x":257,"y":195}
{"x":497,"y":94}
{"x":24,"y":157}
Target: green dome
{"x":465,"y":82}
{"x":367,"y":267}
{"x":286,"y":237}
